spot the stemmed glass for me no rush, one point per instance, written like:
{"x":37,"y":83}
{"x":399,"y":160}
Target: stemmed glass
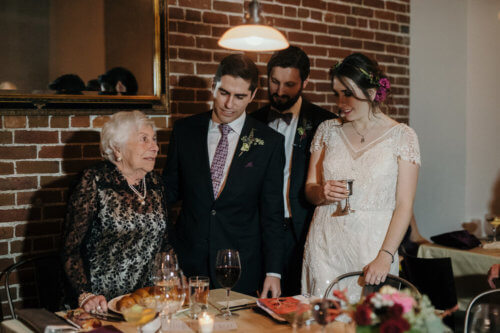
{"x":165,"y":261}
{"x":141,"y":314}
{"x":495,"y":223}
{"x":325,"y":311}
{"x":170,"y":290}
{"x":347,"y":208}
{"x":227,"y":273}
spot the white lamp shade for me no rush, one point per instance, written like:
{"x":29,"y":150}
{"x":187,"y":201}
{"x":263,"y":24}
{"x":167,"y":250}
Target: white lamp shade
{"x":253,"y":37}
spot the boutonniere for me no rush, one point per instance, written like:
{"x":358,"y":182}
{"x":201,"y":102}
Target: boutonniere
{"x":302,"y":130}
{"x":249,"y":141}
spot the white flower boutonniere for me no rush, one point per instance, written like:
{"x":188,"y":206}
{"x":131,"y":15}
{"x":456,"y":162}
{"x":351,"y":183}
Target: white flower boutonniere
{"x":249,"y":141}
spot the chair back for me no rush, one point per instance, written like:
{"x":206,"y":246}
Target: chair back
{"x":483,"y":312}
{"x":356,"y":278}
{"x":432,"y":277}
{"x":40,"y":280}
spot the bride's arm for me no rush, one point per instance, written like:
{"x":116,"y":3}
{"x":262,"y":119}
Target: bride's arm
{"x":376,"y":271}
{"x":317,"y":192}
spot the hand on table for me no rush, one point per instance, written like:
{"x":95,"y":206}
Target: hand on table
{"x":271,"y":284}
{"x":96,"y":303}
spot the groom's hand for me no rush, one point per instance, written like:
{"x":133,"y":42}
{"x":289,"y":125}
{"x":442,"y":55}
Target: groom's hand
{"x":271,"y":284}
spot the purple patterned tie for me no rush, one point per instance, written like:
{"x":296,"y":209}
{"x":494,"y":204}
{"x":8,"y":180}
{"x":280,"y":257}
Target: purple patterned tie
{"x":219,"y":161}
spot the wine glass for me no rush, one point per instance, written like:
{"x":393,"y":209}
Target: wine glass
{"x":170,"y":290}
{"x":165,"y":261}
{"x":347,"y":208}
{"x":227,"y":273}
{"x":495,"y":222}
{"x":324,"y":311}
{"x":141,"y":314}
{"x":486,"y":318}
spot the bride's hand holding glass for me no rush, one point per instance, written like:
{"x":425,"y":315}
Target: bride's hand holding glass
{"x":335,"y":190}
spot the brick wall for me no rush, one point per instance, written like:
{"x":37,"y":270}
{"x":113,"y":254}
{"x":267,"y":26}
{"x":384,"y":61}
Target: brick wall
{"x":40,"y":155}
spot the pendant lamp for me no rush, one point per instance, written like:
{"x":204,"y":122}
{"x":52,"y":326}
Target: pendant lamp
{"x":253,"y":36}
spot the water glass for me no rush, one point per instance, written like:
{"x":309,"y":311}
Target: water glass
{"x":198,"y":295}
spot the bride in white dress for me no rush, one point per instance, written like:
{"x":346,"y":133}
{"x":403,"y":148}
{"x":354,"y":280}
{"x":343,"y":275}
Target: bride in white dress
{"x":383,"y":158}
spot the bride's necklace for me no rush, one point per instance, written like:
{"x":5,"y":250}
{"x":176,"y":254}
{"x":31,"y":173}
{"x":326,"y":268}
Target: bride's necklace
{"x":142,"y":197}
{"x":361,"y":135}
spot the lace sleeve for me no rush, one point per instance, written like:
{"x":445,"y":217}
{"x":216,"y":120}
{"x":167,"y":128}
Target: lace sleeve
{"x":407,"y":147}
{"x":318,"y":141}
{"x":79,"y":216}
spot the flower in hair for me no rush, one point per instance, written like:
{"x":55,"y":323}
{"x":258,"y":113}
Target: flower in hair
{"x":384,"y":86}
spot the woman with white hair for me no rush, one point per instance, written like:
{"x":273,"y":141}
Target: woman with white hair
{"x":116,"y":218}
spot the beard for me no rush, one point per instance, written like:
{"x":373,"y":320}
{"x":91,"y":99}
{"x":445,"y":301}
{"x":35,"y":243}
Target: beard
{"x":284,"y":102}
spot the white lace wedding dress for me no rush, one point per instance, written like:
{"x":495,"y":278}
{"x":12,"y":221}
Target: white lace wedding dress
{"x":339,"y":244}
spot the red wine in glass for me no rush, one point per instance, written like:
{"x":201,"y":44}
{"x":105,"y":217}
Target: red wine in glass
{"x":322,"y":312}
{"x":227,"y":273}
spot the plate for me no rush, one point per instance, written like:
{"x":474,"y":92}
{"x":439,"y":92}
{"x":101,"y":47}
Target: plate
{"x":112,"y":303}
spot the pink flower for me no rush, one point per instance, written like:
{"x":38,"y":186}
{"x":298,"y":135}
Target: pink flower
{"x":405,"y":301}
{"x":382,"y":90}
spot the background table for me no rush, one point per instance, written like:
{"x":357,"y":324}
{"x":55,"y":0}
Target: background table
{"x":470,"y":268}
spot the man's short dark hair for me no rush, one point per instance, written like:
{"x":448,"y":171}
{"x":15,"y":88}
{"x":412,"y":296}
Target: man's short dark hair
{"x":292,"y":57}
{"x":239,"y":65}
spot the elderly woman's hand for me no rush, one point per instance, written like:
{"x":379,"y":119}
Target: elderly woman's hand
{"x":493,"y":273}
{"x":94,"y":303}
{"x":335,"y":190}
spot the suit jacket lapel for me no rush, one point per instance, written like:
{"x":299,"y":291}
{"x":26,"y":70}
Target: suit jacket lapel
{"x":200,"y":136}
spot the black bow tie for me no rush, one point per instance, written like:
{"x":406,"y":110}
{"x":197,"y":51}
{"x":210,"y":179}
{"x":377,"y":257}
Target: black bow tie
{"x":273,"y":115}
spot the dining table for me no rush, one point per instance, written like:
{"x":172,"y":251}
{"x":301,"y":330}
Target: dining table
{"x":470,"y":268}
{"x":250,"y":319}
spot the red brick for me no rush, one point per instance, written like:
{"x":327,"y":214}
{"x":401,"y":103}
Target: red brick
{"x":36,"y":137}
{"x":351,"y":43}
{"x":182,"y":95}
{"x":17,"y":246}
{"x":362,"y":34}
{"x":193,"y":82}
{"x":47,"y":182}
{"x":4,"y":263}
{"x":175,"y":13}
{"x":234,"y":7}
{"x":5,"y":137}
{"x":66,"y":151}
{"x":314,"y":4}
{"x":193,"y":15}
{"x":327,"y":40}
{"x":76,"y":166}
{"x":203,"y":95}
{"x":374,"y":3}
{"x":389,"y":38}
{"x":403,"y":19}
{"x":6,"y":232}
{"x":164,"y":135}
{"x":206,"y":69}
{"x":18,"y":183}
{"x":362,"y":11}
{"x":38,"y":198}
{"x":6,"y":168}
{"x":270,"y":9}
{"x":314,"y":27}
{"x":362,"y":23}
{"x":207,"y":43}
{"x":35,"y":167}
{"x":289,"y":2}
{"x":315,"y":50}
{"x":14,"y":121}
{"x":384,"y":15}
{"x":14,"y":215}
{"x":160,"y":122}
{"x":303,"y":13}
{"x":193,"y":108}
{"x":92,"y":151}
{"x":80,"y":121}
{"x":181,"y":40}
{"x":338,"y":8}
{"x":286,"y":23}
{"x":215,"y":18}
{"x":7,"y":199}
{"x":372,"y":46}
{"x":59,"y":122}
{"x":201,"y":4}
{"x":38,"y":121}
{"x":315,"y":15}
{"x":237,"y":20}
{"x":193,"y":28}
{"x":193,"y":54}
{"x":181,"y":67}
{"x":290,"y":11}
{"x":397,"y":7}
{"x":80,"y":137}
{"x":4,"y":248}
{"x":335,"y":30}
{"x":218,"y":31}
{"x":99,"y":122}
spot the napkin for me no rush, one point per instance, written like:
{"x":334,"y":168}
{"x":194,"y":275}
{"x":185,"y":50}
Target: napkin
{"x":38,"y":319}
{"x":492,"y":246}
{"x":458,"y":239}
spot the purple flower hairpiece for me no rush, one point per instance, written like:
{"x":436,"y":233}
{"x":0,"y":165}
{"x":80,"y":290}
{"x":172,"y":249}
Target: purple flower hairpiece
{"x":384,"y":85}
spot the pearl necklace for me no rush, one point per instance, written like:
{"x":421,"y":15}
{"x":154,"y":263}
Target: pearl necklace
{"x":142,"y":197}
{"x":361,"y":135}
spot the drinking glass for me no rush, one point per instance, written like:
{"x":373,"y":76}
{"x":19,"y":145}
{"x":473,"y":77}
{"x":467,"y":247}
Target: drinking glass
{"x":324,"y":311}
{"x":495,"y":223}
{"x":198,"y":294}
{"x":486,"y":319}
{"x":347,"y":208}
{"x":141,"y":314}
{"x":171,"y":291}
{"x":227,"y":273}
{"x":165,"y":261}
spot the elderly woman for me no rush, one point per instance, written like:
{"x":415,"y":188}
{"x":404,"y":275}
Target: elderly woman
{"x":116,"y":218}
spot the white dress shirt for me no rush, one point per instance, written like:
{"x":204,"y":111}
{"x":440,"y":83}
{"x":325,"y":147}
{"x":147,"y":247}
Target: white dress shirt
{"x":288,"y":130}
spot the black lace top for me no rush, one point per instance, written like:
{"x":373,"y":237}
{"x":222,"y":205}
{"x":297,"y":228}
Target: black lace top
{"x":110,"y":240}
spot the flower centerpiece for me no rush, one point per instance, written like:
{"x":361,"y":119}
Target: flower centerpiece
{"x":393,"y":311}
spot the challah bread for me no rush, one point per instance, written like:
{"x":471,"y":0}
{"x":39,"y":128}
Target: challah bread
{"x":140,"y":296}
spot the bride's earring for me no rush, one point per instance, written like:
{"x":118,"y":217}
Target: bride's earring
{"x":119,"y":159}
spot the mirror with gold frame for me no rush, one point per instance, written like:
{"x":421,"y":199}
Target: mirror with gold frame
{"x":61,"y":55}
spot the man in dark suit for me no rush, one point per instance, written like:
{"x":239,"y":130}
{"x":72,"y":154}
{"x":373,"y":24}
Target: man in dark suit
{"x":297,"y":119}
{"x":227,"y":168}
